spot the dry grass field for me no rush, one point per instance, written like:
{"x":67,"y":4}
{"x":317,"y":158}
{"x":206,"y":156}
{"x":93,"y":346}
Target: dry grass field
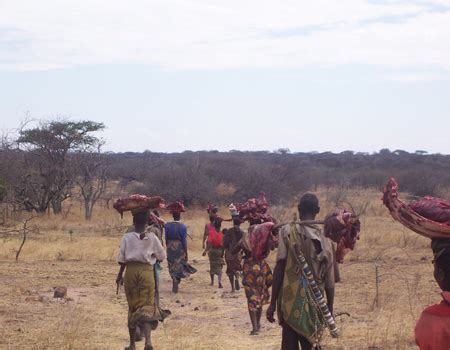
{"x":81,"y":256}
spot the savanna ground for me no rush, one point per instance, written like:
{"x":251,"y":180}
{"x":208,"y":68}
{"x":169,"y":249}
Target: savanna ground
{"x":81,"y":256}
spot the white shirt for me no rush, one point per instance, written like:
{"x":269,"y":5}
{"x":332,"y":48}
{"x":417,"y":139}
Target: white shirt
{"x":146,"y":250}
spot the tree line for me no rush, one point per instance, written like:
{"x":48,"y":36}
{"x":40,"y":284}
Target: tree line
{"x":48,"y":163}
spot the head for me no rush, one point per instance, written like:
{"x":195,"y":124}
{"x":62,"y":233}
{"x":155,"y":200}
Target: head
{"x":140,"y":219}
{"x":176,"y":215}
{"x":441,"y":252}
{"x":308,"y":207}
{"x":236,"y":220}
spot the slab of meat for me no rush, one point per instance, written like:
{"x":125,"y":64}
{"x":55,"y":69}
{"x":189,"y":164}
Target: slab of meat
{"x":254,"y":209}
{"x":342,"y":227}
{"x":176,"y":207}
{"x":137,"y":202}
{"x":436,"y":209}
{"x":421,"y":216}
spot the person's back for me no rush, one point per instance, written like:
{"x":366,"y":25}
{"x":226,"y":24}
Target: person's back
{"x":433,"y":327}
{"x":298,"y":315}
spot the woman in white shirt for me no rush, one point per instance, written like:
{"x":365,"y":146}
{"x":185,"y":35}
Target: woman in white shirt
{"x":138,"y":253}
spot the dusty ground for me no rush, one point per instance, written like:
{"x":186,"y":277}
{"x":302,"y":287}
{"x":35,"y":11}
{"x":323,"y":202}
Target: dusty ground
{"x":203,"y":317}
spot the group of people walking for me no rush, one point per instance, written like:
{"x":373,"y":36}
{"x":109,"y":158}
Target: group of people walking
{"x":243,"y":252}
{"x":302,"y":281}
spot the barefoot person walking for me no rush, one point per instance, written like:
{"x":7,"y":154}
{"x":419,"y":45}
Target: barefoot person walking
{"x":297,"y":312}
{"x":214,"y":249}
{"x":176,"y":243}
{"x":139,"y":251}
{"x":231,"y":238}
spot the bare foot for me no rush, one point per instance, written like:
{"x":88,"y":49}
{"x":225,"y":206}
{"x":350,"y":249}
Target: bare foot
{"x":254,"y":332}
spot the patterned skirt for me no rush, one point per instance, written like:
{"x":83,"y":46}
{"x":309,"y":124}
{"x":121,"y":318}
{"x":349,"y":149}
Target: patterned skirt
{"x":139,"y":283}
{"x":257,"y":279}
{"x":176,"y":258}
{"x":215,"y":260}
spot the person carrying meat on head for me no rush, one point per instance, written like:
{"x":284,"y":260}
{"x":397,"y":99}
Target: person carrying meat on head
{"x":299,"y":318}
{"x":176,"y":244}
{"x":231,"y":238}
{"x":256,"y":245}
{"x":139,"y":252}
{"x":433,"y":327}
{"x":214,"y":249}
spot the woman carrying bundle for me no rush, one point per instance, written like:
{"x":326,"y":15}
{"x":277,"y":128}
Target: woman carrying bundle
{"x":176,"y":243}
{"x":139,"y":251}
{"x":256,"y":245}
{"x":433,"y":327}
{"x":231,"y":239}
{"x":214,"y":249}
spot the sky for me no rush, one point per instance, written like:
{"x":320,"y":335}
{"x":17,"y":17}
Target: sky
{"x":175,"y":75}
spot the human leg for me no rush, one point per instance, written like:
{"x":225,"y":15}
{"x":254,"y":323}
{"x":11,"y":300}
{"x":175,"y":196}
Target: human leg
{"x":253,"y":319}
{"x":231,"y":278}
{"x":236,"y":282}
{"x":305,"y":344}
{"x":175,"y":283}
{"x":147,"y":332}
{"x":212,"y":279}
{"x":289,"y":338}
{"x":219,"y":279}
{"x":258,"y":318}
{"x":132,"y":333}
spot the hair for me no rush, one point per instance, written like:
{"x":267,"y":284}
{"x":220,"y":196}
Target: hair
{"x":441,"y":251}
{"x":140,"y":218}
{"x":176,"y":215}
{"x":309,"y":204}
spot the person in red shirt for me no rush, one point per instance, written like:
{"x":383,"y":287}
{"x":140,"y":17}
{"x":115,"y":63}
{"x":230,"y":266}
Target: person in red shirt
{"x":433,"y":327}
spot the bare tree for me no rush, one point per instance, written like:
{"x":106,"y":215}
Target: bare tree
{"x":92,"y":179}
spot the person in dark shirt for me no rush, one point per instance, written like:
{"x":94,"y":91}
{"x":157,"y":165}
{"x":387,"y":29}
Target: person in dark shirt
{"x":231,"y":238}
{"x":176,"y":243}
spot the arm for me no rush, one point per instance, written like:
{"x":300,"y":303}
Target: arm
{"x":184,"y":240}
{"x":330,"y":298}
{"x":329,"y":286}
{"x":278,"y":275}
{"x":120,"y":274}
{"x":205,"y":237}
{"x":160,"y":253}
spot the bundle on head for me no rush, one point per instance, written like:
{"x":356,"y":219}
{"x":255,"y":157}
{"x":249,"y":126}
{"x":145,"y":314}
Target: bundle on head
{"x":176,"y":207}
{"x":138,"y":202}
{"x":342,"y":227}
{"x":427,"y":216}
{"x":212,"y":209}
{"x":255,"y":209}
{"x":259,"y":239}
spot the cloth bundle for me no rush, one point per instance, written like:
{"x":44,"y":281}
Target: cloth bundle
{"x":427,"y":216}
{"x":342,"y":227}
{"x":138,"y":202}
{"x":259,"y":239}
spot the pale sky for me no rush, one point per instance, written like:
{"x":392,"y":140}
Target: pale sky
{"x":176,"y":75}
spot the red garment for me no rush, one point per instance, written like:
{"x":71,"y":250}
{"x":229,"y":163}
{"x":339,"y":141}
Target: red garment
{"x":214,"y":238}
{"x":433,"y":327}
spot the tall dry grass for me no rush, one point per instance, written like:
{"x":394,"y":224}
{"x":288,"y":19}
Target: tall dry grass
{"x":84,"y":255}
